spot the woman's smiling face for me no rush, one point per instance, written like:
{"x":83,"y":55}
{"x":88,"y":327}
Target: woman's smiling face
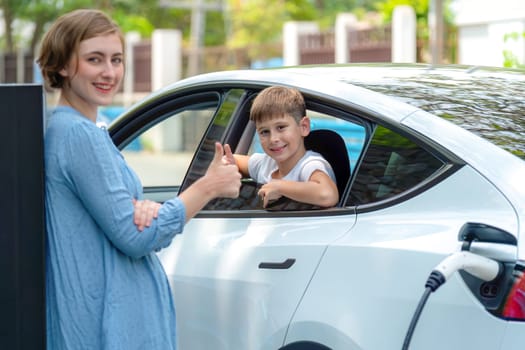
{"x":95,"y":73}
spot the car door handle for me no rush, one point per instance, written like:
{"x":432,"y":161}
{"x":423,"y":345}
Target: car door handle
{"x":277,"y":265}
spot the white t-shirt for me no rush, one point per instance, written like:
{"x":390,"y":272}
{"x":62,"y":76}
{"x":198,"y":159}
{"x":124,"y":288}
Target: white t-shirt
{"x":261,"y":167}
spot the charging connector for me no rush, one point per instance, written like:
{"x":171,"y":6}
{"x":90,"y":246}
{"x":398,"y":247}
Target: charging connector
{"x":478,"y":266}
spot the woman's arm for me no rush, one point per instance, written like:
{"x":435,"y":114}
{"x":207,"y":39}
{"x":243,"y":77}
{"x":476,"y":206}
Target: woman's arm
{"x":97,"y":180}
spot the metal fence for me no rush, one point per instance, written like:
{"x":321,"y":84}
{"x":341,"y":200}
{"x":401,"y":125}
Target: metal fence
{"x":370,"y":45}
{"x":365,"y":45}
{"x":317,"y":48}
{"x":16,"y":68}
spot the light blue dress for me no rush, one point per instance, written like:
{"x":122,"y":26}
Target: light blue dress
{"x":105,"y":287}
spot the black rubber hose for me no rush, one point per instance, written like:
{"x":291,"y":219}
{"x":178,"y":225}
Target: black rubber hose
{"x":415,"y":318}
{"x":434,"y":281}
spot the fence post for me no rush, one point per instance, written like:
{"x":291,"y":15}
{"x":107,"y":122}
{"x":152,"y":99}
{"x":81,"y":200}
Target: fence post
{"x":2,"y":67}
{"x":291,"y":32}
{"x":435,"y":26}
{"x":404,"y":44}
{"x":20,"y":66}
{"x":166,"y":60}
{"x":132,"y":38}
{"x":342,"y":22}
{"x":166,"y":57}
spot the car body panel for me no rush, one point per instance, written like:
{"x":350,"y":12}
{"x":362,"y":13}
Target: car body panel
{"x":514,"y":336}
{"x":243,"y":302}
{"x":371,"y":308}
{"x":504,"y":170}
{"x":383,"y":263}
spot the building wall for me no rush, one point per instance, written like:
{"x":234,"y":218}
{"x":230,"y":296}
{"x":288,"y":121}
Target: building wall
{"x":482,"y":26}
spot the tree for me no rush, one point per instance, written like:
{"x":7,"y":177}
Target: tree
{"x":10,"y":11}
{"x":21,"y":15}
{"x":510,"y":59}
{"x":40,"y":13}
{"x":421,"y":9}
{"x":137,"y":15}
{"x":250,"y":25}
{"x":327,"y":10}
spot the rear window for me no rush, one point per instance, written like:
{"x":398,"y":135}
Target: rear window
{"x":391,"y":165}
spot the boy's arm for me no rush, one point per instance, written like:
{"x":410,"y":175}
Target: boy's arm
{"x":318,"y":190}
{"x":242,"y":163}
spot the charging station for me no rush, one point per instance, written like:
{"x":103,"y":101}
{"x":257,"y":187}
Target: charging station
{"x":22,"y":218}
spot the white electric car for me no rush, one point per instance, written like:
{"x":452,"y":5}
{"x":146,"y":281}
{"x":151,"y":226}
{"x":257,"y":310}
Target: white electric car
{"x":430,"y":168}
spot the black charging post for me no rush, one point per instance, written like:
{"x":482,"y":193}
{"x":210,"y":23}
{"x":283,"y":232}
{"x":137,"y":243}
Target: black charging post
{"x":22,"y":222}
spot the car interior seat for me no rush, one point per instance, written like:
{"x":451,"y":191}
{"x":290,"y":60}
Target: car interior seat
{"x":333,"y":148}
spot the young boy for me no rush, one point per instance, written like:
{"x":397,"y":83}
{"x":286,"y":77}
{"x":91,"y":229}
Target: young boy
{"x":286,"y":168}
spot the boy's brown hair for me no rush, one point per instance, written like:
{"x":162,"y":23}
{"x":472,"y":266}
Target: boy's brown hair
{"x":62,"y":40}
{"x":278,"y":101}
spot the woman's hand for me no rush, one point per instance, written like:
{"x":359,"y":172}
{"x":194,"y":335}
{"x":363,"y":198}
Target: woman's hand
{"x":220,"y":180}
{"x":223,"y":173}
{"x":145,"y":212}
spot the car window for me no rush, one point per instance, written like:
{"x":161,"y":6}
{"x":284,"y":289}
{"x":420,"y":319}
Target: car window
{"x":161,"y":154}
{"x":351,"y":134}
{"x":392,"y":164}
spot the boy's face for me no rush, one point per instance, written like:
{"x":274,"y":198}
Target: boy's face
{"x":282,"y":138}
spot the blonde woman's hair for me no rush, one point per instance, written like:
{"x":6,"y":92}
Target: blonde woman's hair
{"x":62,"y":40}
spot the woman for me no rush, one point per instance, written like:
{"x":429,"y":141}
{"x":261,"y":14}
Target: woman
{"x":106,"y":289}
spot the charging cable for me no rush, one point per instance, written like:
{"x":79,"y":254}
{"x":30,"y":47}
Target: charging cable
{"x":478,"y":266}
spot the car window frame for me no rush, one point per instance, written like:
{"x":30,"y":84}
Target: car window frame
{"x":234,"y":133}
{"x":451,"y":164}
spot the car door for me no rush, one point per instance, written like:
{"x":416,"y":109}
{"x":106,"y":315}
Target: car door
{"x":237,"y":275}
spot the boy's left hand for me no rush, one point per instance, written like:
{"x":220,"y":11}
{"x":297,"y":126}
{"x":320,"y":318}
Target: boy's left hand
{"x":269,"y":192}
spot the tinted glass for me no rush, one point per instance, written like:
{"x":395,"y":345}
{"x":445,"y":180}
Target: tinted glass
{"x":391,"y":165}
{"x":349,"y":147}
{"x":215,"y":133}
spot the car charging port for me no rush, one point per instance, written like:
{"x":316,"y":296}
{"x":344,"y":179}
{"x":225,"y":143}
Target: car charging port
{"x":477,"y":238}
{"x":489,"y":290}
{"x":485,"y":277}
